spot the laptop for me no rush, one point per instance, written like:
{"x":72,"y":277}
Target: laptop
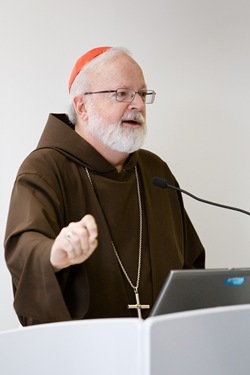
{"x":186,"y":290}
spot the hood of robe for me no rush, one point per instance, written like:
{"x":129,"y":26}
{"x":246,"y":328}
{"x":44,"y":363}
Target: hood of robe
{"x":59,"y":134}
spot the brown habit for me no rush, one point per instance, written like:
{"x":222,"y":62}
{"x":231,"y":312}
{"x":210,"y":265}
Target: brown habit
{"x":52,"y":189}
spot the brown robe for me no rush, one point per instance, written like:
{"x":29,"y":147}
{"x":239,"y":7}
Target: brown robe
{"x":52,"y":189}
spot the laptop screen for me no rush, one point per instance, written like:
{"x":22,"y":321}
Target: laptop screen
{"x":186,"y":290}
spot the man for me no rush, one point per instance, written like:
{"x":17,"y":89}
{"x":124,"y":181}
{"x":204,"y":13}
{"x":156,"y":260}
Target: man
{"x":88,"y":234}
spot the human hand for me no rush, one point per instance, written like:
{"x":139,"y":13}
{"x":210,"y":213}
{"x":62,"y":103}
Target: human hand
{"x":74,"y":244}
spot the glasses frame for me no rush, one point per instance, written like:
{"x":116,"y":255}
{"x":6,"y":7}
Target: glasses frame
{"x":142,"y":93}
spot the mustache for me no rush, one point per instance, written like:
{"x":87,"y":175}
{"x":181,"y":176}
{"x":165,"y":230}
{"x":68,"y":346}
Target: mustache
{"x":134,"y":116}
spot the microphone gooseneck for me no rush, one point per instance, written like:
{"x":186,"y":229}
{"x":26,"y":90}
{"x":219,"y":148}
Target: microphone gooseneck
{"x":160,"y":182}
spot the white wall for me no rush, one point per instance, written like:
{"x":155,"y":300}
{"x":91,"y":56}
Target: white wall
{"x":195,"y":54}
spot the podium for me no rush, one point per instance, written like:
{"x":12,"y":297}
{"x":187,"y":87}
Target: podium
{"x":207,"y":341}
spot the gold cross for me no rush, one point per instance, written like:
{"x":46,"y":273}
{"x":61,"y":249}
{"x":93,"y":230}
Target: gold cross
{"x":138,"y":305}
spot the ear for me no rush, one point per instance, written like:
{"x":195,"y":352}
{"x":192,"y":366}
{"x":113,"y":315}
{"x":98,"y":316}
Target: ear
{"x":79,"y":105}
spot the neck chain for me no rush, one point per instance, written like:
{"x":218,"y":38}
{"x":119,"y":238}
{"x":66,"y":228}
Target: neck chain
{"x":135,"y":287}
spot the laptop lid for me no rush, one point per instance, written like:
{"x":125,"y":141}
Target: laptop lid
{"x":198,"y":289}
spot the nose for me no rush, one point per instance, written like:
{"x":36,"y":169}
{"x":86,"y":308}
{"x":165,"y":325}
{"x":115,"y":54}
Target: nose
{"x":137,"y":103}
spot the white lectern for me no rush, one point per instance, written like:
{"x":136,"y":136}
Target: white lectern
{"x":210,"y":341}
{"x":109,"y":346}
{"x":202,"y":342}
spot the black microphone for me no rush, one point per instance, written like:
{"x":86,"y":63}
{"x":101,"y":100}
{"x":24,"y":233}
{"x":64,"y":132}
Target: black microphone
{"x":164,"y":184}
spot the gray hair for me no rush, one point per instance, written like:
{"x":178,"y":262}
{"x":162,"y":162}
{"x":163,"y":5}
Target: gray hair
{"x":82,"y":83}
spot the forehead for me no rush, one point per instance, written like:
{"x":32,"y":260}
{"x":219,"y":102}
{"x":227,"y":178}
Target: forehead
{"x":119,"y":72}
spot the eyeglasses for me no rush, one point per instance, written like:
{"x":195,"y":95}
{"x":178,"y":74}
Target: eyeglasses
{"x":128,"y":95}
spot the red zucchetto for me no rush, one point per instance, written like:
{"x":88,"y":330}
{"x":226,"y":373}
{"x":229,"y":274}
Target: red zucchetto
{"x":83,"y":60}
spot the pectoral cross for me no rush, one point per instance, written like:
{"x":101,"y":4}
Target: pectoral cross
{"x":138,"y":305}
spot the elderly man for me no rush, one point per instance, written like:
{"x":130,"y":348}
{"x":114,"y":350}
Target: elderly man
{"x":88,"y":234}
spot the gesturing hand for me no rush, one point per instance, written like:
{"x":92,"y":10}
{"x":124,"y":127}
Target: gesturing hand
{"x":74,"y":244}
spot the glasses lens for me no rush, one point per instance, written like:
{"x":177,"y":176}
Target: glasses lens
{"x":148,"y":96}
{"x":128,"y":95}
{"x":125,"y":95}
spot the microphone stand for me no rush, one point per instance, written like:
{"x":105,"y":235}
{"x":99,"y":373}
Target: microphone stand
{"x":164,"y":184}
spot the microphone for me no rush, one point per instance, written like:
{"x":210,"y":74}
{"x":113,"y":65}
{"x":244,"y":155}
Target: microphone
{"x":164,"y":184}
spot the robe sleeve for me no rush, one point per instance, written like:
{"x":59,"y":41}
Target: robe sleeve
{"x":35,"y":219}
{"x":194,"y":250}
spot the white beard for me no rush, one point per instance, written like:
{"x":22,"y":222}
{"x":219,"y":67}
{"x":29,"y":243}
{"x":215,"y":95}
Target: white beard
{"x":117,"y":137}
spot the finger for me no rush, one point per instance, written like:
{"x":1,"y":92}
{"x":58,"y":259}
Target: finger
{"x":80,"y":239}
{"x":69,"y":235}
{"x":76,"y":243}
{"x":89,"y":223}
{"x":79,"y":243}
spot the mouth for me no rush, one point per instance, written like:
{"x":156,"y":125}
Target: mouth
{"x":131,"y":122}
{"x":133,"y":119}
